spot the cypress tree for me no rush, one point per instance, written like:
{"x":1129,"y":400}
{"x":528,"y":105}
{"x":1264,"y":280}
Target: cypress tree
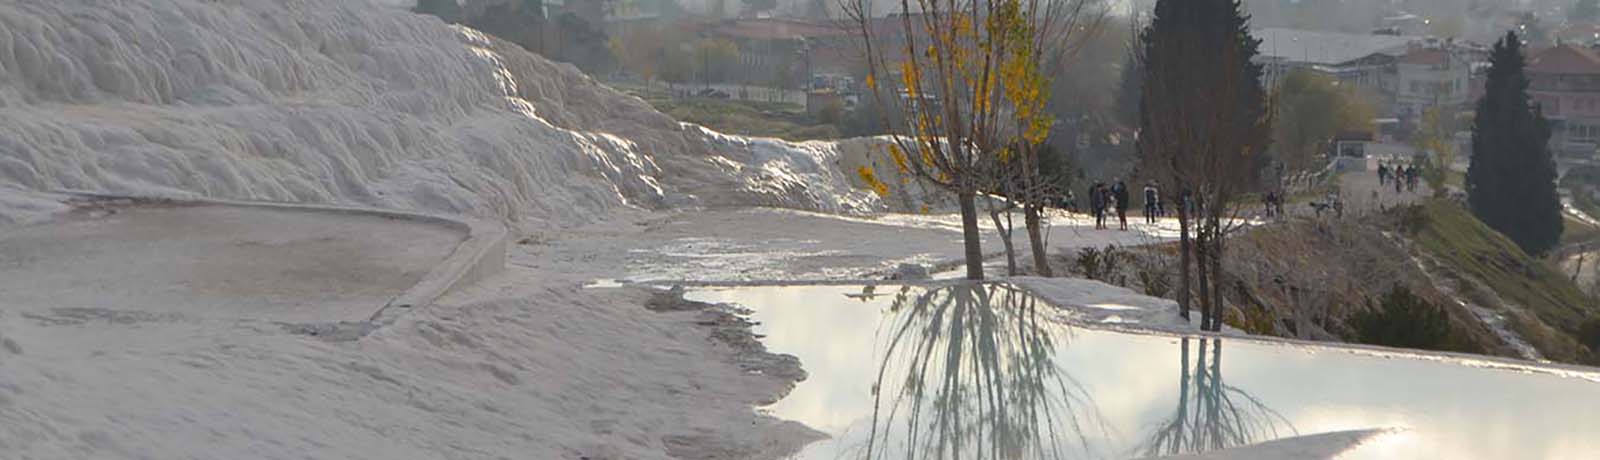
{"x":1203,"y":130}
{"x":1129,"y":91}
{"x":1511,"y":181}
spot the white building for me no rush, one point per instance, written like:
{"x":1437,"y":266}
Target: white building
{"x":1432,"y":75}
{"x":1366,"y":61}
{"x":1351,"y":57}
{"x":1565,"y":81}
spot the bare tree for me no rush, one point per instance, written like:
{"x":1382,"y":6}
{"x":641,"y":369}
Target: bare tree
{"x":970,"y":371}
{"x":1211,"y":414}
{"x":966,"y":78}
{"x":1205,"y":127}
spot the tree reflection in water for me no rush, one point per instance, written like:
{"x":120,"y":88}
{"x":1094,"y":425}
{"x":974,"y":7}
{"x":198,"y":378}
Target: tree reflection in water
{"x":1211,"y":415}
{"x":969,"y":371}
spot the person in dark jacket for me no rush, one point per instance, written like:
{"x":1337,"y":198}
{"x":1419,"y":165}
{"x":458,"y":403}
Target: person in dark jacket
{"x":1119,"y":192}
{"x":1097,"y":204}
{"x":1186,"y":202}
{"x":1152,"y":202}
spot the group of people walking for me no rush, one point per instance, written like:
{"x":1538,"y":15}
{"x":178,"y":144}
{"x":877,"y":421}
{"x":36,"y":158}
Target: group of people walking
{"x":1105,"y":199}
{"x":1272,"y":201}
{"x":1402,"y":177}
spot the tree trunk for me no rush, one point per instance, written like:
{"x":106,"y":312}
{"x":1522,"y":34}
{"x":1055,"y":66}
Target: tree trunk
{"x":969,"y":233}
{"x":1184,"y":260}
{"x":1004,"y":228}
{"x":1183,"y":395}
{"x":1201,"y":249}
{"x":1215,"y":258}
{"x":1032,"y":219}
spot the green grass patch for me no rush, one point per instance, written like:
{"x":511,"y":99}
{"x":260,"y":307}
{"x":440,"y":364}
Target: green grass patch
{"x":1454,"y":236}
{"x":1455,"y":179}
{"x":749,"y":118}
{"x":1577,"y":231}
{"x":1585,"y":203}
{"x":1578,"y":183}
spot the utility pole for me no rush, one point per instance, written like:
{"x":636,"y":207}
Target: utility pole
{"x":805,"y":54}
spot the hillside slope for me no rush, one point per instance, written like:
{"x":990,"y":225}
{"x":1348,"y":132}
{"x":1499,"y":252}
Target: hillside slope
{"x":1312,"y":279}
{"x":1543,"y":306}
{"x":345,"y":101}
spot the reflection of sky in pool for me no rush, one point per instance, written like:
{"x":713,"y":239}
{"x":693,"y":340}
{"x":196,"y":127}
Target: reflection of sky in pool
{"x":1026,"y":387}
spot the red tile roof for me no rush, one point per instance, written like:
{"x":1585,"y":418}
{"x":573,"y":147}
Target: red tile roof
{"x":1566,"y":59}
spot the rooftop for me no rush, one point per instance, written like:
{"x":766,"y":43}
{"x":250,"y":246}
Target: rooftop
{"x":1329,"y":48}
{"x":1564,"y":59}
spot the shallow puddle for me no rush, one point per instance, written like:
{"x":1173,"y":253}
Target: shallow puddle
{"x":982,"y":371}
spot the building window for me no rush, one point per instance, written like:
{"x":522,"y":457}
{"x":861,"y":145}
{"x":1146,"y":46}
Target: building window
{"x":1582,"y":133}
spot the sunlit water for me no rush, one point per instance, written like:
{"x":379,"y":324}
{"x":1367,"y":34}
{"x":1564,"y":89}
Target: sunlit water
{"x":983,"y":372}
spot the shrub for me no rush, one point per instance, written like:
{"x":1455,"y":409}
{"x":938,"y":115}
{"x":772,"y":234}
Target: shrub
{"x":1104,"y":265}
{"x":1156,"y":281}
{"x":831,"y":114}
{"x":1403,"y":319}
{"x":1155,"y":274}
{"x":1589,"y":335}
{"x":1412,"y":219}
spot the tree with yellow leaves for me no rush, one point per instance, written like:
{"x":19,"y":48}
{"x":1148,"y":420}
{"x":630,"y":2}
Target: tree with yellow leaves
{"x":1436,"y":137}
{"x":965,"y":78}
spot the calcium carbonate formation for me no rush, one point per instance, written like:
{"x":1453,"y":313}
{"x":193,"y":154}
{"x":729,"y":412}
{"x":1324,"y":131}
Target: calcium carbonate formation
{"x":349,"y":102}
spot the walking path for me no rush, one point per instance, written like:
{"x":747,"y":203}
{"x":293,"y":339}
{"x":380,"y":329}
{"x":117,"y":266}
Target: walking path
{"x":1357,"y":189}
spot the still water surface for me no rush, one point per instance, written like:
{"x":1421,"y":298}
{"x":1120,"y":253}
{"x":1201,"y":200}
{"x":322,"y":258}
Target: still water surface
{"x":982,"y":371}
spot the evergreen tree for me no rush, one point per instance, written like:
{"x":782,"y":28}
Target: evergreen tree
{"x":1129,"y":91}
{"x":1204,"y":130}
{"x":1131,"y":88}
{"x":1511,"y":182}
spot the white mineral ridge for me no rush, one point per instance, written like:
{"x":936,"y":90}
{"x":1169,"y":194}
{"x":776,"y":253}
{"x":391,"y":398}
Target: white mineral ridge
{"x":354,"y":102}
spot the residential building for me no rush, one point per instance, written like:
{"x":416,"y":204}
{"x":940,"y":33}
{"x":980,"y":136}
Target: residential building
{"x":785,"y":52}
{"x":1434,"y":74}
{"x":1565,"y":81}
{"x":1368,"y":61}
